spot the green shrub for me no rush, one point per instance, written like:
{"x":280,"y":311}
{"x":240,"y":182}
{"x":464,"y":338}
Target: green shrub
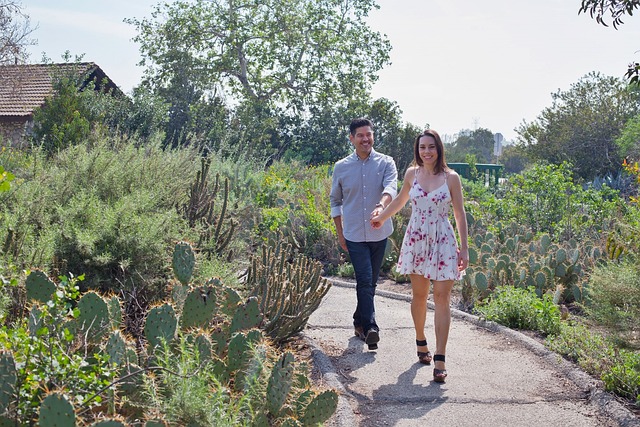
{"x":521,"y":309}
{"x":107,"y":210}
{"x":346,"y":270}
{"x":614,"y":297}
{"x":581,"y":345}
{"x":623,"y":378}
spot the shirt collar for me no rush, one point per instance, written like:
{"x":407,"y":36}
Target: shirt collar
{"x":355,"y":156}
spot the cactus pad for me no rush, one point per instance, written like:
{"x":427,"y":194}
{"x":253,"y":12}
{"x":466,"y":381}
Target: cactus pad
{"x":8,"y":378}
{"x":199,"y":308}
{"x":94,"y":315}
{"x":279,"y":383}
{"x":247,"y":316}
{"x":108,"y":423}
{"x":56,"y":411}
{"x":321,"y":408}
{"x":115,"y":312}
{"x":161,"y":323}
{"x":39,"y":286}
{"x":184,"y":261}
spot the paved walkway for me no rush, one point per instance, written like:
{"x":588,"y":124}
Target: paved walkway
{"x":497,"y":377}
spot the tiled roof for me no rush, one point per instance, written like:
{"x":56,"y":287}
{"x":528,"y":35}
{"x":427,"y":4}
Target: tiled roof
{"x":23,"y":88}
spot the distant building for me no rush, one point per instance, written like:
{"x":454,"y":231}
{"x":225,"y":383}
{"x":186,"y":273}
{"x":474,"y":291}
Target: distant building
{"x":23,"y":88}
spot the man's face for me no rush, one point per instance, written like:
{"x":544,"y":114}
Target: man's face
{"x":362,"y":141}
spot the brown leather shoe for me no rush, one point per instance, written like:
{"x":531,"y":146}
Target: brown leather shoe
{"x":359,"y":332}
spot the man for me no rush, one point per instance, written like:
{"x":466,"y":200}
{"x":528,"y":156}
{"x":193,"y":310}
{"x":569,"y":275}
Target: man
{"x":363,"y":184}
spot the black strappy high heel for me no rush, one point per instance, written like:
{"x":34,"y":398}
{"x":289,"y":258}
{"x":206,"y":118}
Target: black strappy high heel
{"x":423,"y":357}
{"x":439,"y":374}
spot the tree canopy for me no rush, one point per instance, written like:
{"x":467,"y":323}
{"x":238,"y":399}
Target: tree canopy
{"x":273,"y":64}
{"x":582,"y":125}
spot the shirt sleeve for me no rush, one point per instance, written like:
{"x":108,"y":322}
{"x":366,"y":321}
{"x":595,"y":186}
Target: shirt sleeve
{"x":335,"y":197}
{"x":390,"y":181}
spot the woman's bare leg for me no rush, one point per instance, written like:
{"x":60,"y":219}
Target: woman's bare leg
{"x":419,"y":294}
{"x":442,"y":316}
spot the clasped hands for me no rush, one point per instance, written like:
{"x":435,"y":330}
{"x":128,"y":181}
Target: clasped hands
{"x":374,"y":220}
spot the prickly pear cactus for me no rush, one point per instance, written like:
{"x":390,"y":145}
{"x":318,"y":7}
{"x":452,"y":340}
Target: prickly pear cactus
{"x":56,"y":411}
{"x":203,"y":344}
{"x":199,"y":308}
{"x":119,"y":351}
{"x":184,"y":261}
{"x":290,"y":422}
{"x":248,"y":379}
{"x":115,"y":313}
{"x":109,"y":423}
{"x":8,"y":378}
{"x":321,"y":408}
{"x":238,"y":347}
{"x":39,"y":286}
{"x":247,"y":316}
{"x":279,"y":383}
{"x":94,"y":316}
{"x":219,"y":338}
{"x":238,"y":350}
{"x":161,"y":324}
{"x":155,"y":423}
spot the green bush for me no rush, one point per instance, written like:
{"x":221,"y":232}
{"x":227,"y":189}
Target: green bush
{"x":614,"y":297}
{"x":546,"y":200}
{"x":107,"y":210}
{"x":623,"y":378}
{"x":521,"y":309}
{"x":581,"y":345}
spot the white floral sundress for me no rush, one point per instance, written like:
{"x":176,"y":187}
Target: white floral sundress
{"x":429,"y":247}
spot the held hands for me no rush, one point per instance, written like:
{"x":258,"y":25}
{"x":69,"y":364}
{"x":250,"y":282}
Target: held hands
{"x":375,"y":220}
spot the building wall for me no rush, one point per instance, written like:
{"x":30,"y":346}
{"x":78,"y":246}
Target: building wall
{"x":13,"y":131}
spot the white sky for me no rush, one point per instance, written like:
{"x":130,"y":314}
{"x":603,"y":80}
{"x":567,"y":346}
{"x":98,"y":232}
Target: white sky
{"x":456,"y":64}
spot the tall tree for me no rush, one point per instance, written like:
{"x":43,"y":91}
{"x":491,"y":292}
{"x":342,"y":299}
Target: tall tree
{"x":478,"y":142}
{"x":582,"y":125}
{"x":282,"y":58}
{"x":393,"y":136}
{"x":15,"y":32}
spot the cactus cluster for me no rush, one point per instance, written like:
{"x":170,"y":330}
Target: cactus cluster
{"x":288,"y":286}
{"x":217,"y":228}
{"x":212,"y":318}
{"x":514,"y":256}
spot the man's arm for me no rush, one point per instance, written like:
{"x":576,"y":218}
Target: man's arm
{"x":335,"y":200}
{"x":341,"y":241}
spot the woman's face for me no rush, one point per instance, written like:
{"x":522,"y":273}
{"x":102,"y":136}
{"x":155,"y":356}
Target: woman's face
{"x":427,"y":150}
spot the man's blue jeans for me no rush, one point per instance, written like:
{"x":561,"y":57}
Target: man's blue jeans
{"x":366,"y":258}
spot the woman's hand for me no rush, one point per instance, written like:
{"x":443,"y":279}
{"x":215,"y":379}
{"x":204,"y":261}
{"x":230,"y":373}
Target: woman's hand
{"x":463,"y":259}
{"x":375,"y":218}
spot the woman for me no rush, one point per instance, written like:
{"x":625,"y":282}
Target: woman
{"x":429,"y":252}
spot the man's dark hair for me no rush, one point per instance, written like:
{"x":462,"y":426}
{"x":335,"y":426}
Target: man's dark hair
{"x":358,"y":123}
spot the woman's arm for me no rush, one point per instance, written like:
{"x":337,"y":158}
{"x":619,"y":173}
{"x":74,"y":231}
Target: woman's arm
{"x":397,"y":203}
{"x":457,"y":200}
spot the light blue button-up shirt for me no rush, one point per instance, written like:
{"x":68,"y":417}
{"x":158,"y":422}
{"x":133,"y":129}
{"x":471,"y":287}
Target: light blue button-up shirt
{"x":357,"y":186}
